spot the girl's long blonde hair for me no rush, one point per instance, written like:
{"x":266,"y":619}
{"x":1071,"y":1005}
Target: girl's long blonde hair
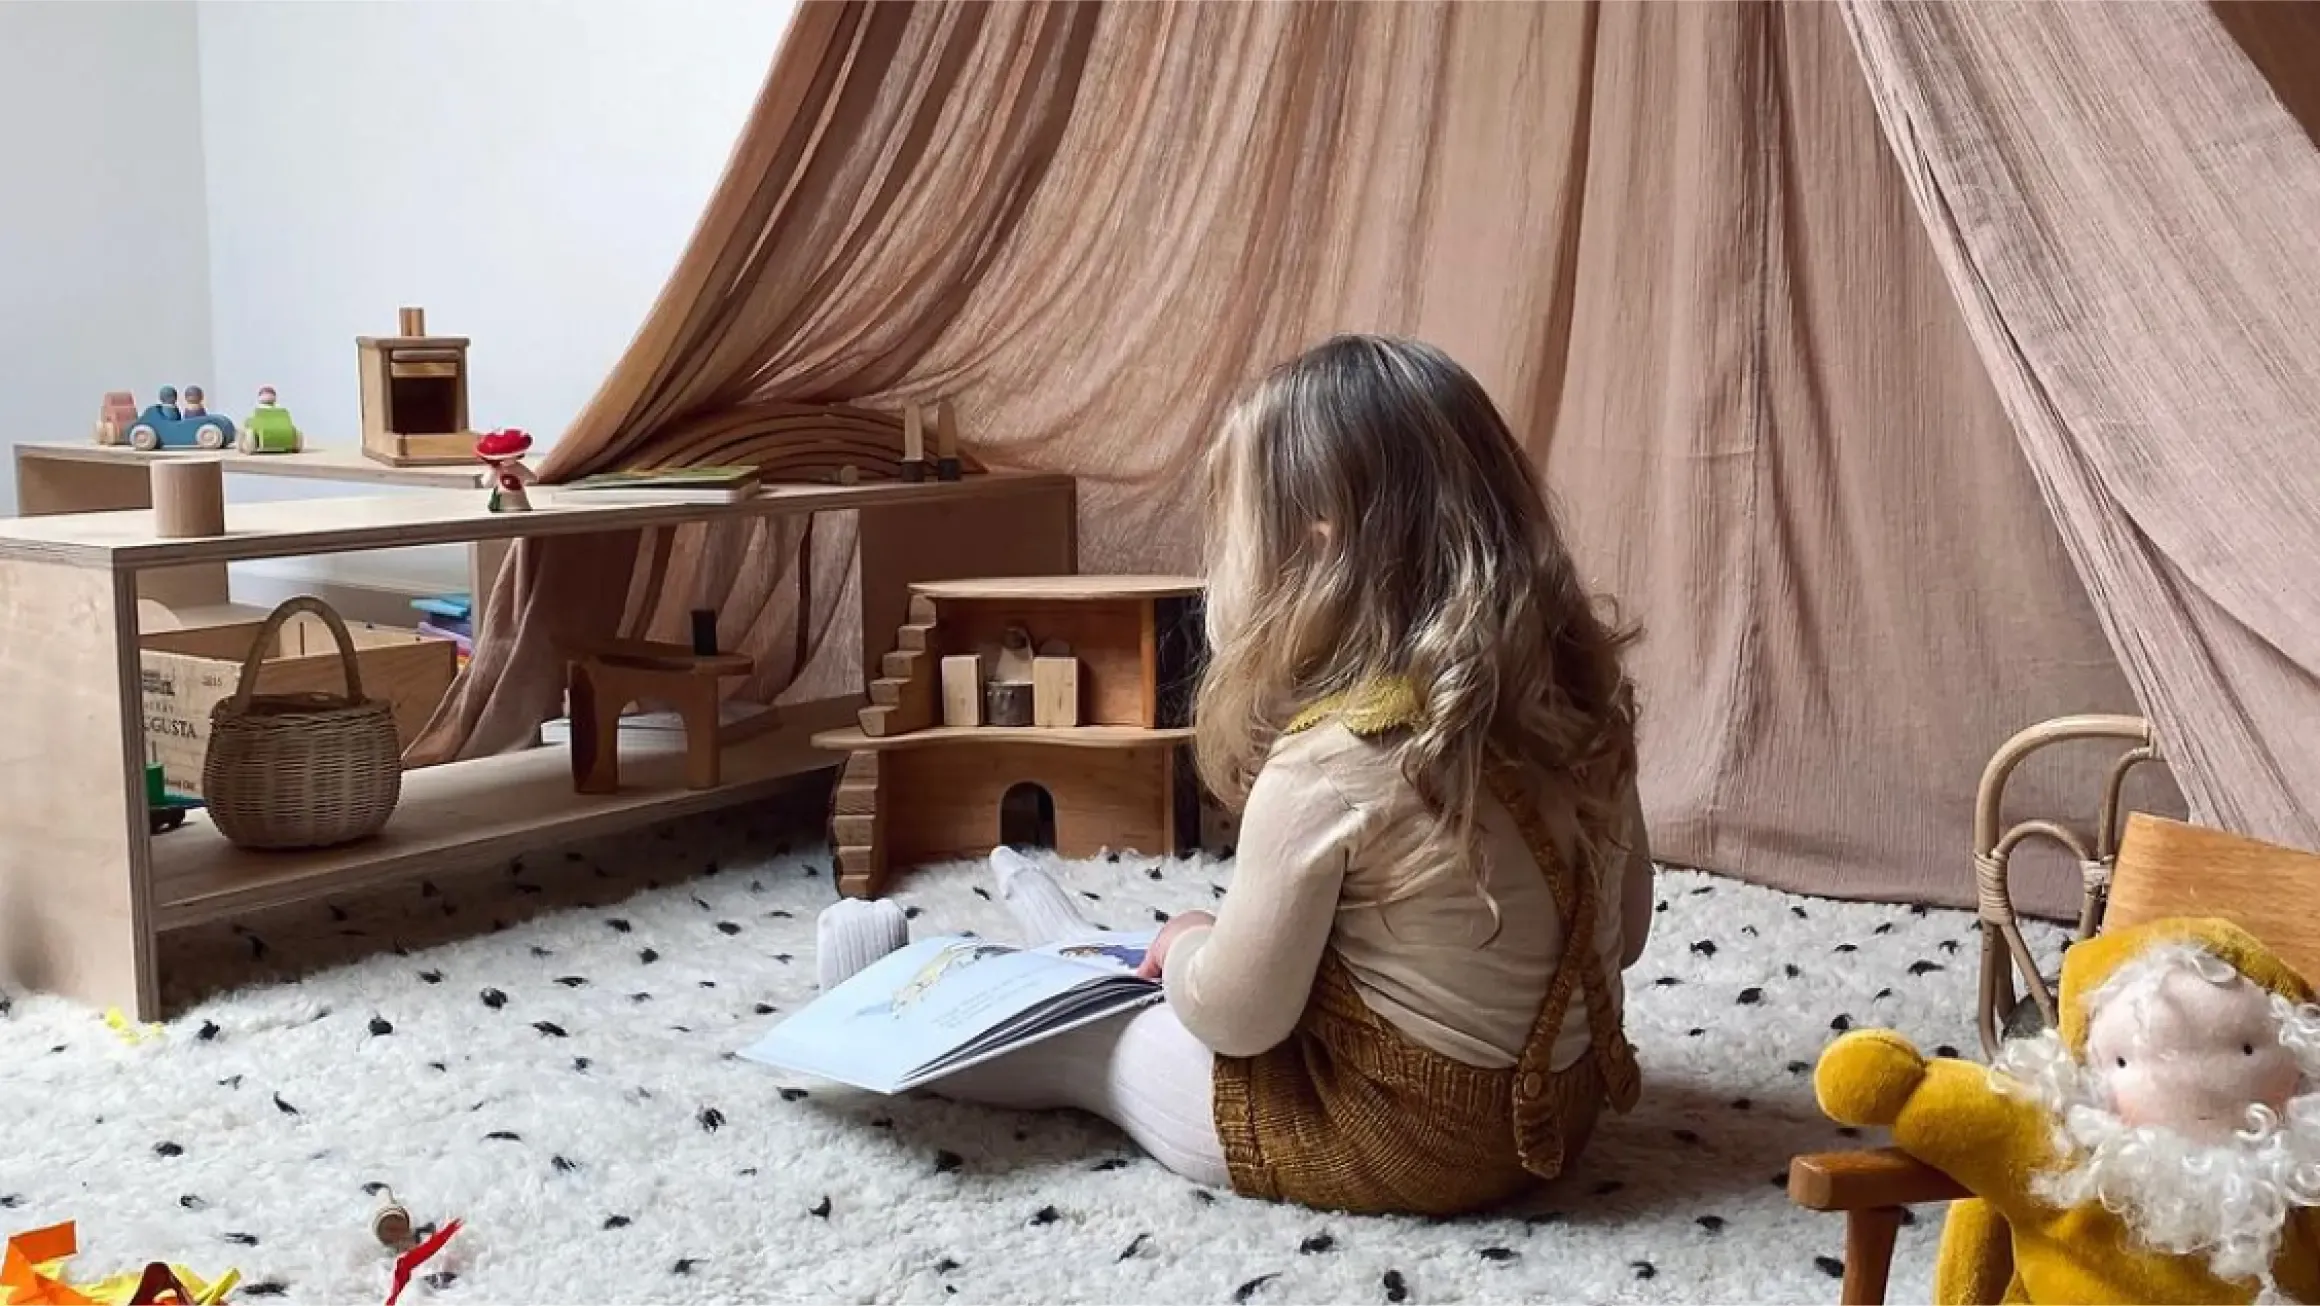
{"x":1375,"y":518}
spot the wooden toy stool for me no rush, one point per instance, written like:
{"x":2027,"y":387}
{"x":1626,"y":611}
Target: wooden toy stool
{"x":611,"y":676}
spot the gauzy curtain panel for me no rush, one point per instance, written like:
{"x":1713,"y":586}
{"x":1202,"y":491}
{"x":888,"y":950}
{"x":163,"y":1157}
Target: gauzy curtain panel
{"x":1674,"y":241}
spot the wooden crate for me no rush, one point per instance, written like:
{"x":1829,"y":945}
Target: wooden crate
{"x":188,"y":672}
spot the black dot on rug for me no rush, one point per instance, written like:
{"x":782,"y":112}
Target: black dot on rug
{"x":945,"y":1265}
{"x":209,"y":1031}
{"x":1798,"y":912}
{"x":821,"y":1209}
{"x":572,"y":981}
{"x":1886,"y":928}
{"x":1830,"y":1266}
{"x":1841,"y":1023}
{"x":168,"y":1149}
{"x":1316,"y":1244}
{"x":947,"y":1161}
{"x":1704,"y":948}
{"x":1711,"y":1223}
{"x":1135,"y":1245}
{"x":380,"y":1026}
{"x":684,"y":1265}
{"x":1251,"y":1288}
{"x":1922,"y":967}
{"x":1946,"y":1050}
{"x":1498,"y":1254}
{"x":648,"y":956}
{"x":431,"y":976}
{"x":618,"y":925}
{"x":1644,"y":1269}
{"x":493,"y":998}
{"x":710,"y":1119}
{"x":1749,"y":997}
{"x":503,"y":1136}
{"x":1397,"y":1288}
{"x":1799,"y":1067}
{"x":1046,"y":1215}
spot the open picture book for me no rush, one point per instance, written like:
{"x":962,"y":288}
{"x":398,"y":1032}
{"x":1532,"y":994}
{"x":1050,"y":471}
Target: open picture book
{"x":941,"y":1005}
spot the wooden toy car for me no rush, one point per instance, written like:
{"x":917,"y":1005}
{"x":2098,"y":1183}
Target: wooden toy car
{"x":114,"y":419}
{"x":164,"y":810}
{"x":269,"y":428}
{"x":166,"y":425}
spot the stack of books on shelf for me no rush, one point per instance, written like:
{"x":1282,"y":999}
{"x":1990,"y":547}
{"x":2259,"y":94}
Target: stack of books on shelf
{"x":722,"y":484}
{"x":451,"y":617}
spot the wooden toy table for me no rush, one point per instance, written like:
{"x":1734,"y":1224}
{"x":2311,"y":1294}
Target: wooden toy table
{"x":85,"y":888}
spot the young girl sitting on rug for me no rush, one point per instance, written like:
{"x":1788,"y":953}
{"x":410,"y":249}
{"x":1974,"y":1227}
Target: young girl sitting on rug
{"x":1409,"y":999}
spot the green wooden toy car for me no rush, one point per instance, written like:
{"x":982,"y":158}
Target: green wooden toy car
{"x":165,"y":810}
{"x":270,"y":429}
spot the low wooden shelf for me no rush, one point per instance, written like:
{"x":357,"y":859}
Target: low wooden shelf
{"x":86,"y":888}
{"x":850,"y":738}
{"x":472,"y":813}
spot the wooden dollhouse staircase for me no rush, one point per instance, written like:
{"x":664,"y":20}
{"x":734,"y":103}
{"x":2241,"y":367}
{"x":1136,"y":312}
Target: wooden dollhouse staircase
{"x":903,"y":697}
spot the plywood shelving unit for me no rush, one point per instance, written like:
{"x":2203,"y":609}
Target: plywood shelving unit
{"x":83,"y":477}
{"x":85,"y":889}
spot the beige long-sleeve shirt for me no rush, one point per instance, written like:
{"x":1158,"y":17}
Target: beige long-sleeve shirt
{"x":1331,"y":854}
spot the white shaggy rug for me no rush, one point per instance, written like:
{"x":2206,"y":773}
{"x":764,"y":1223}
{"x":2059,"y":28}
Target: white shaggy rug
{"x":543,"y":1051}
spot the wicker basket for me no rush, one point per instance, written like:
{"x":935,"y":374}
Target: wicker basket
{"x":301,"y":770}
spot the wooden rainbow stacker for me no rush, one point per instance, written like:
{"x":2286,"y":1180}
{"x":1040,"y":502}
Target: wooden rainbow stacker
{"x":1048,"y":711}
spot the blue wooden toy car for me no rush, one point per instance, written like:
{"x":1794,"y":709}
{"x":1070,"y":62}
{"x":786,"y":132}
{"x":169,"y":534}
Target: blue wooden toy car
{"x":169,"y":425}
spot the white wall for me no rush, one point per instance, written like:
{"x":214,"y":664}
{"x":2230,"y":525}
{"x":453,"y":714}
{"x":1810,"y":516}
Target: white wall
{"x":104,"y":265}
{"x":527,"y":171}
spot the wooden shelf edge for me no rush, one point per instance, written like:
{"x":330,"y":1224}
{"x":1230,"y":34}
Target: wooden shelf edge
{"x":852,"y":740}
{"x":467,"y":814}
{"x":1053,"y":589}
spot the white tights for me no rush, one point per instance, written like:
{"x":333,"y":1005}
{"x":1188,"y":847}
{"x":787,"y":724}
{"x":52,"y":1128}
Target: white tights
{"x":1142,"y":1070}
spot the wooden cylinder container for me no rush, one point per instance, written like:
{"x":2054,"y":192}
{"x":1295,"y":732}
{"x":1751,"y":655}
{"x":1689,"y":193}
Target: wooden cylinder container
{"x":189,"y":498}
{"x":1007,"y":703}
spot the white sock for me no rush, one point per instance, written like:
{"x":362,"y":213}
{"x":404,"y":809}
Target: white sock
{"x":851,"y":933}
{"x":1043,"y":909}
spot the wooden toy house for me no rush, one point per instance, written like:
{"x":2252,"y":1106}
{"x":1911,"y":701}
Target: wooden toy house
{"x":414,"y":396}
{"x":1046,"y":712}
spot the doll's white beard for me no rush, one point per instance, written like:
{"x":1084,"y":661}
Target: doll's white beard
{"x":2230,"y":1200}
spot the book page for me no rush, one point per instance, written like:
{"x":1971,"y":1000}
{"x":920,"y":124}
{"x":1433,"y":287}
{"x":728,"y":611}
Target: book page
{"x":917,"y":1006}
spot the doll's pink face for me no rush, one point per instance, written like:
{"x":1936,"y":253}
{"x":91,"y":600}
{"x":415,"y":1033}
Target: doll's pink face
{"x":2190,"y":1055}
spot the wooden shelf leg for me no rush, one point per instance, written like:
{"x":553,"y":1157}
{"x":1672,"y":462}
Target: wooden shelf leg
{"x":700,"y":699}
{"x":75,"y":858}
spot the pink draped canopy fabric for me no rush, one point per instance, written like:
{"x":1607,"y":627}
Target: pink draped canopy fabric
{"x":1861,"y":346}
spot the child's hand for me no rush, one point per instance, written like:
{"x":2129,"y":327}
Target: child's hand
{"x":1156,"y":956}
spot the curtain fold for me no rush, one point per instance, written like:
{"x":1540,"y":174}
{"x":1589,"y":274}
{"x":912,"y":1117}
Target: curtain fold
{"x":2124,"y":206}
{"x":1669,"y":238}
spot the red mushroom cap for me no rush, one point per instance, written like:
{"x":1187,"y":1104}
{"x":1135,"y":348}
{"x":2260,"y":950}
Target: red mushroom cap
{"x":500,"y":444}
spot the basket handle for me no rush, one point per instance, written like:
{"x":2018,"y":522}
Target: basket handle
{"x":265,"y":640}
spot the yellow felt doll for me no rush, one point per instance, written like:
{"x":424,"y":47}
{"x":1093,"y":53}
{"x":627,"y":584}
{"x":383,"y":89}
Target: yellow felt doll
{"x":2162,"y":1145}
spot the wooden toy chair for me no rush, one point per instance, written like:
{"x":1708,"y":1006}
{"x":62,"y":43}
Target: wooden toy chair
{"x":2162,"y":868}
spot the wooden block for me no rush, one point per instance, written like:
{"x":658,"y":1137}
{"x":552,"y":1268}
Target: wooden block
{"x":915,"y":638}
{"x":1055,"y":691}
{"x":921,"y":610}
{"x":887,"y":693}
{"x":411,"y":321}
{"x":962,"y":690}
{"x":855,"y":800}
{"x":853,"y":831}
{"x":901,"y":664}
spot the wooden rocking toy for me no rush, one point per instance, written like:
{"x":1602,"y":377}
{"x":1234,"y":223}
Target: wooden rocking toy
{"x":613,"y":675}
